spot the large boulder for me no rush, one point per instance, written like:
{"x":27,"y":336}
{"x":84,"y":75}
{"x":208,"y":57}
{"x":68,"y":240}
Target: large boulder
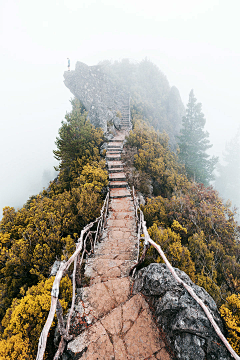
{"x":101,"y":95}
{"x":185,"y":324}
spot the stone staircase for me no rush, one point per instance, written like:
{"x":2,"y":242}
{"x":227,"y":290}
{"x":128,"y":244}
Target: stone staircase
{"x":117,"y":184}
{"x":117,"y":324}
{"x":125,"y":120}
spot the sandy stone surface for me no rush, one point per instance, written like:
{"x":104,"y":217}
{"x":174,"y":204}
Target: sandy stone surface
{"x":119,"y":176}
{"x":119,"y":193}
{"x":121,"y":326}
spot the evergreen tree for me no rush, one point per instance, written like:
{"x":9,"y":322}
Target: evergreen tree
{"x":194,"y":142}
{"x":227,"y":183}
{"x":78,"y":144}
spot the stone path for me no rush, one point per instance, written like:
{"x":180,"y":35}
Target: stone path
{"x":119,"y":326}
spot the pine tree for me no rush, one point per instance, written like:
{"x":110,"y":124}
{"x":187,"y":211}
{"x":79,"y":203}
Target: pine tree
{"x":227,"y":183}
{"x":194,"y":142}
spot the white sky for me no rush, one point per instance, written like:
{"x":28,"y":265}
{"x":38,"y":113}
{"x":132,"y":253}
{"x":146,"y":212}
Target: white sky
{"x":195,"y":43}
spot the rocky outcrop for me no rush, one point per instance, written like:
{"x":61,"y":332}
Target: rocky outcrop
{"x":175,"y":110}
{"x":104,"y":90}
{"x":183,"y":321}
{"x":99,"y":93}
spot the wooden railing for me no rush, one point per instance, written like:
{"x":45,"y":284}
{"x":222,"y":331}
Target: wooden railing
{"x":129,"y":115}
{"x":86,"y":235}
{"x":142,"y":229}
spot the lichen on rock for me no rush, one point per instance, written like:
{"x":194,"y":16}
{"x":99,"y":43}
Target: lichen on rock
{"x":185,"y":324}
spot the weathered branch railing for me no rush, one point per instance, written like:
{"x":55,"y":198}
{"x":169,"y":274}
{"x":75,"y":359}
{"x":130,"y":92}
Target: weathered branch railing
{"x":147,"y":242}
{"x":129,"y":114}
{"x":64,"y":266}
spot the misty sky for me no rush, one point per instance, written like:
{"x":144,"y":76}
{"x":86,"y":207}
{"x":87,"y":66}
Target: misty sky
{"x":195,"y":43}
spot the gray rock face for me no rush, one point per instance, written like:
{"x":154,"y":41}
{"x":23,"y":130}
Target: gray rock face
{"x":185,"y":324}
{"x":99,"y":93}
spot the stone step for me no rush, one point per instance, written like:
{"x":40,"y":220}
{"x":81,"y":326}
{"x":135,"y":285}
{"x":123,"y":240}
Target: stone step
{"x":115,"y":149}
{"x":113,"y":157}
{"x":118,"y":184}
{"x":115,"y":170}
{"x":118,"y":193}
{"x":114,"y":153}
{"x":126,"y":332}
{"x":106,"y":269}
{"x":115,"y":140}
{"x":114,"y":146}
{"x":114,"y":180}
{"x":117,"y":176}
{"x":98,"y":299}
{"x":115,"y":164}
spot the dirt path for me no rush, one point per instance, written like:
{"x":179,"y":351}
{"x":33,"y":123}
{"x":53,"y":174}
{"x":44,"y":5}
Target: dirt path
{"x":119,"y":326}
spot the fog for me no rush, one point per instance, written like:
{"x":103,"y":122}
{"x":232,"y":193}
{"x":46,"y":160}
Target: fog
{"x":195,"y":44}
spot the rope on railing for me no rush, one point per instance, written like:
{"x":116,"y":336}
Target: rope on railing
{"x":148,"y":241}
{"x":55,"y":304}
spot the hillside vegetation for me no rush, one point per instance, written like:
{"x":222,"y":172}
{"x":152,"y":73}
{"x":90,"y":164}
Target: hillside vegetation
{"x":195,"y":229}
{"x":44,"y":230}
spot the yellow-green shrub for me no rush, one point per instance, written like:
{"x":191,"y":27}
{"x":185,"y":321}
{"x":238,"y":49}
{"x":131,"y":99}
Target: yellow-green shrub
{"x":24,"y":320}
{"x":230,"y":311}
{"x":170,"y":242}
